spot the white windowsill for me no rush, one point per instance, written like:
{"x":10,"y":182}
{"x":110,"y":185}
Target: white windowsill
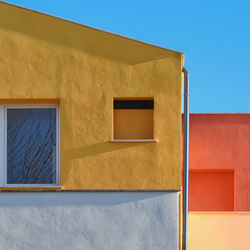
{"x":134,"y":140}
{"x":29,"y":186}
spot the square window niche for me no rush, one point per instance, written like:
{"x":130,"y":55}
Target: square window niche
{"x":133,"y":119}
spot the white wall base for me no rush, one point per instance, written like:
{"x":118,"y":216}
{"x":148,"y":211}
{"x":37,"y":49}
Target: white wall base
{"x":89,"y":220}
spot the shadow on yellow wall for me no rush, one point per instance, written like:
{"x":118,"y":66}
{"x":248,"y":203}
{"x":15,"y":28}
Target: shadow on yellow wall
{"x":80,"y":37}
{"x":94,"y":149}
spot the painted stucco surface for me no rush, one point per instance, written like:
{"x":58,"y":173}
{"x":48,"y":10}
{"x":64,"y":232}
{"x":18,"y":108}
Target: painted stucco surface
{"x":218,"y":187}
{"x":45,"y":57}
{"x":218,"y":231}
{"x":222,"y":141}
{"x":101,"y":221}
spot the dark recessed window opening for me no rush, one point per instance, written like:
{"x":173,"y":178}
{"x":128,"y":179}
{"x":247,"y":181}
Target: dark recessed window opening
{"x":133,"y":119}
{"x":133,"y":104}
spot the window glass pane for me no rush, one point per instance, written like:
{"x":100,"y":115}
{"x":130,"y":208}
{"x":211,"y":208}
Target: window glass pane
{"x":31,"y":146}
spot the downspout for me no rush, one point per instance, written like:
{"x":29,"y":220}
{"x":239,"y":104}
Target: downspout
{"x":185,"y":159}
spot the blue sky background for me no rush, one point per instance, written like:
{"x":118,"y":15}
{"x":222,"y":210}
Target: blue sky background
{"x":214,"y":35}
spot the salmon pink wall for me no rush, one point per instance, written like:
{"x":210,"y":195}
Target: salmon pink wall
{"x":218,"y":231}
{"x":222,"y":141}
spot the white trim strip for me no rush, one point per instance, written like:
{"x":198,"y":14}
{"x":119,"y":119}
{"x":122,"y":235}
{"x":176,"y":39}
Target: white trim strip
{"x":2,"y":142}
{"x":30,"y":186}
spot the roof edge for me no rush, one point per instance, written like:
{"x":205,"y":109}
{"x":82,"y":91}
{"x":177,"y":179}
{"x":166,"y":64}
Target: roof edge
{"x":89,"y":27}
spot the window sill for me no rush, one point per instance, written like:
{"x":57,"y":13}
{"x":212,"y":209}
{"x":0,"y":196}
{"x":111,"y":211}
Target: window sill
{"x":134,"y":140}
{"x":28,"y":187}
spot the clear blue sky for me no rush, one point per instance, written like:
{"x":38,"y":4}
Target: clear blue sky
{"x":214,"y":35}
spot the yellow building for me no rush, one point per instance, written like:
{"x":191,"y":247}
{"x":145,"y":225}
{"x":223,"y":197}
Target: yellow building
{"x":85,"y":110}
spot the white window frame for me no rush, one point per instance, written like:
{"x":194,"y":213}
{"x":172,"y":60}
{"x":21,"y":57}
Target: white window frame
{"x":3,"y":143}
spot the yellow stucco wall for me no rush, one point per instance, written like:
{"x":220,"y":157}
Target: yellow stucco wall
{"x":46,"y":57}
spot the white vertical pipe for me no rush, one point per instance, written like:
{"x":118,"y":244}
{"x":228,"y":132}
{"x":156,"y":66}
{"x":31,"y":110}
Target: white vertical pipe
{"x":185,"y":158}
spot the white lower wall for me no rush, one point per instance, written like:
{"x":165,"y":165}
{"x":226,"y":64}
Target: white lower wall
{"x":89,"y":220}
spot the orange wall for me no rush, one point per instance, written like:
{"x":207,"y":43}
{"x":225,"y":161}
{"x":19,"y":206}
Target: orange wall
{"x":218,"y":187}
{"x":218,"y":231}
{"x":222,"y":141}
